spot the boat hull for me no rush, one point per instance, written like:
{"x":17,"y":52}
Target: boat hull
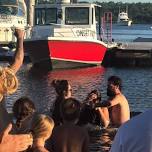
{"x":125,"y":23}
{"x":65,"y":53}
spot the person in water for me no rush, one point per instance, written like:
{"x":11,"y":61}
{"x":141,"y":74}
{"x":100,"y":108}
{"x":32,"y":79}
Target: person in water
{"x":69,"y":137}
{"x":89,"y":114}
{"x":41,"y":129}
{"x":64,"y":91}
{"x":23,"y":112}
{"x":117,"y":104}
{"x":8,"y":85}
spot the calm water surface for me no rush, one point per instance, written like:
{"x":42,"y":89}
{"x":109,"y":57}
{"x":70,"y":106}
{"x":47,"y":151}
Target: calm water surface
{"x":129,"y":33}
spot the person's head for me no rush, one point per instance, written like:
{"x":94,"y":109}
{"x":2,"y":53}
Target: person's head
{"x":62,"y":88}
{"x":8,"y":81}
{"x":22,"y":109}
{"x":94,"y":96}
{"x":41,"y":127}
{"x":114,"y":85}
{"x":70,"y":110}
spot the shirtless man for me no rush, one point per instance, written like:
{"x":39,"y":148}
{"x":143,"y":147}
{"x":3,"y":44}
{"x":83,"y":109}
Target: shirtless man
{"x":117,"y":104}
{"x":69,"y":137}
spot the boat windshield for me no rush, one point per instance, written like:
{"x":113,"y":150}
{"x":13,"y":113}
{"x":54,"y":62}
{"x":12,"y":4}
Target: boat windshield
{"x":9,"y":2}
{"x":76,"y":15}
{"x":12,"y":7}
{"x":44,"y":1}
{"x":45,"y":16}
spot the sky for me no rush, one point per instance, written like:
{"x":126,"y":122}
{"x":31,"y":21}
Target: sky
{"x":124,"y":1}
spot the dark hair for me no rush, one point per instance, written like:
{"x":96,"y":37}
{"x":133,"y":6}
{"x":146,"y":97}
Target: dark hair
{"x":70,"y":109}
{"x":115,"y":80}
{"x":60,"y":86}
{"x":23,"y":108}
{"x":97,"y":93}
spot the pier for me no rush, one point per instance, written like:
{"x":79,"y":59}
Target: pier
{"x":129,"y":54}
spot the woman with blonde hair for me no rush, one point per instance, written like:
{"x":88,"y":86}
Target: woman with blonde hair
{"x":41,"y":128}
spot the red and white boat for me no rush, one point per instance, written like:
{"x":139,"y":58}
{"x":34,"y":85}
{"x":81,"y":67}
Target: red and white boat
{"x":66,"y":35}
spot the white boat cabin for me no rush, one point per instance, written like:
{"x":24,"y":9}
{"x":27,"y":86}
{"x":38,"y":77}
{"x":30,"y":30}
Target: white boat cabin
{"x":12,"y":14}
{"x":66,"y":20}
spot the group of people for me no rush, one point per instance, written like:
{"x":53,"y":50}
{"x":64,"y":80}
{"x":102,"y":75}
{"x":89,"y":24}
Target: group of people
{"x":63,"y":131}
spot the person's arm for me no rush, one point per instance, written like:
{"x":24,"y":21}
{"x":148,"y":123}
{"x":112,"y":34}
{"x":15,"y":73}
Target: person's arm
{"x":14,"y":143}
{"x":19,"y":53}
{"x":109,"y":103}
{"x":104,"y":115}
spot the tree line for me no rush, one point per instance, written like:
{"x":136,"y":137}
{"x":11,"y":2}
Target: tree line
{"x":140,"y":13}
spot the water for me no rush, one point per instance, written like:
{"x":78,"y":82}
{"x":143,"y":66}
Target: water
{"x":137,"y":82}
{"x":129,"y":33}
{"x":137,"y":85}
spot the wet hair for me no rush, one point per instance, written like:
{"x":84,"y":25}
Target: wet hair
{"x":115,"y":80}
{"x":41,"y":126}
{"x":60,"y":86}
{"x":70,"y":109}
{"x":23,"y":108}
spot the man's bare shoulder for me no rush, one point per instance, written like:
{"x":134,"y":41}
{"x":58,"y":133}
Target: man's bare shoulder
{"x":118,"y":99}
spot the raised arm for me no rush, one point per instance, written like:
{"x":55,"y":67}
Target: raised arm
{"x":104,"y":115}
{"x":19,"y":53}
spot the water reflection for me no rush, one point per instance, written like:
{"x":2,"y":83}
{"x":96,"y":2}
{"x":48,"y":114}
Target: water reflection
{"x":80,"y":79}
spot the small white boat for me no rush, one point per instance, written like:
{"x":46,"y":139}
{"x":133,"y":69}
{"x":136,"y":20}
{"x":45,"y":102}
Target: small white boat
{"x":12,"y":15}
{"x":123,"y":18}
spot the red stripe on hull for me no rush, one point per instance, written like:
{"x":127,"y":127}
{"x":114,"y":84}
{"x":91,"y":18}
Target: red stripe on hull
{"x":75,"y":51}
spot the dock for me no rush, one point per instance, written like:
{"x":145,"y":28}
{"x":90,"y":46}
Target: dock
{"x":129,"y":54}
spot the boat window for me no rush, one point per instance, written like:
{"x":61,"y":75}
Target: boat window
{"x":7,"y":10}
{"x":98,"y":14}
{"x":8,"y":7}
{"x":9,"y":2}
{"x":45,"y":16}
{"x":12,"y":7}
{"x":21,"y":9}
{"x":51,"y":15}
{"x":45,"y":1}
{"x":77,"y":16}
{"x":98,"y":19}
